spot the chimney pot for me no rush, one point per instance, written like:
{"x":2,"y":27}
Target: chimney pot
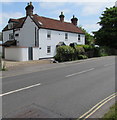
{"x":30,"y":3}
{"x":29,"y":9}
{"x":61,"y":17}
{"x":74,"y":20}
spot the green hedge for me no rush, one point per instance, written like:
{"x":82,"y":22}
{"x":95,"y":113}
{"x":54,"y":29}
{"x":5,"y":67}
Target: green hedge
{"x":64,"y":53}
{"x":87,"y":47}
{"x":102,"y":51}
{"x":68,"y":53}
{"x":89,"y":50}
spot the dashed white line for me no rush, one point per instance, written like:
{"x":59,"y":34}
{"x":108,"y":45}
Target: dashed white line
{"x":18,"y":90}
{"x":84,"y":71}
{"x":108,"y":64}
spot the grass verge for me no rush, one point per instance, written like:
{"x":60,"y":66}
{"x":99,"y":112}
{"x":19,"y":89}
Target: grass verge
{"x":112,"y":113}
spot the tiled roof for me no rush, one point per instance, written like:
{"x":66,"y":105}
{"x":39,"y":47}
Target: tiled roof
{"x":18,"y":23}
{"x":49,"y":23}
{"x":10,"y":43}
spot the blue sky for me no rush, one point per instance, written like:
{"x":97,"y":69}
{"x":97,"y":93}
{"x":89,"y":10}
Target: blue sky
{"x":88,"y":13}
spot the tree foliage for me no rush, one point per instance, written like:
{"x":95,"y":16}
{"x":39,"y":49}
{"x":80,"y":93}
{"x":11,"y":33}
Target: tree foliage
{"x":89,"y":39}
{"x":107,"y":34}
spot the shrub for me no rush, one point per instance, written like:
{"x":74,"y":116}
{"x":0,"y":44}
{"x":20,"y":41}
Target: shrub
{"x":67,"y":53}
{"x":96,"y":52}
{"x":82,"y":57}
{"x":78,"y":51}
{"x":104,"y":51}
{"x":87,"y":47}
{"x":64,"y":53}
{"x":89,"y":50}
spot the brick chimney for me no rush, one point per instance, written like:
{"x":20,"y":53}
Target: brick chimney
{"x":74,"y":20}
{"x":61,"y":17}
{"x":29,"y":9}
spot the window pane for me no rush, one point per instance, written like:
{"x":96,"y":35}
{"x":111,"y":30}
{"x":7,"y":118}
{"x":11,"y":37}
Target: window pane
{"x":11,"y":36}
{"x":79,"y":38}
{"x":66,"y":35}
{"x":48,"y":34}
{"x":48,"y":49}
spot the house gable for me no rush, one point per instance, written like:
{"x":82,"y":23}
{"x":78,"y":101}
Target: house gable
{"x":27,"y":33}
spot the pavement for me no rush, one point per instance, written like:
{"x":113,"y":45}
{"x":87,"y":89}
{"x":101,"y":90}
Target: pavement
{"x":14,"y":64}
{"x":63,"y":90}
{"x":14,"y":68}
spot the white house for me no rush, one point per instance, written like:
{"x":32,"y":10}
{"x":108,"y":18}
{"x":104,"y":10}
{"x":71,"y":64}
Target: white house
{"x":35,"y":37}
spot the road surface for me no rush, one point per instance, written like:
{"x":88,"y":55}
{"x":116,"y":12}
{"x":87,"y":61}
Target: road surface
{"x":67,"y":91}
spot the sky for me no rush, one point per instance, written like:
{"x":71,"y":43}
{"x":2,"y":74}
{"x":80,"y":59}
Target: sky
{"x":87,"y":12}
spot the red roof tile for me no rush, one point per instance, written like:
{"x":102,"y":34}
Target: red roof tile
{"x":49,"y":23}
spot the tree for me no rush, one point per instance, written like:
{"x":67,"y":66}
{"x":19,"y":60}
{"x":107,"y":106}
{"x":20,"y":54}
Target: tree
{"x":107,"y":34}
{"x":89,"y":39}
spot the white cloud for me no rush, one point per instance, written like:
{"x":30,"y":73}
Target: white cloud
{"x":58,"y":12}
{"x":52,"y":5}
{"x":90,"y":10}
{"x":91,"y":27}
{"x":94,"y":8}
{"x":56,"y":1}
{"x":12,"y":15}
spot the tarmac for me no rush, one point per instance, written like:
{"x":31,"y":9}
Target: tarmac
{"x":17,"y":68}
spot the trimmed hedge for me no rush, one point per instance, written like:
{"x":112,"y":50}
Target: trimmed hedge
{"x":89,"y":50}
{"x":64,"y":53}
{"x":69,"y":53}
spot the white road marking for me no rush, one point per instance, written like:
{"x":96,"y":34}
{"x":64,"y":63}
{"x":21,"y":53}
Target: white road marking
{"x":84,"y":71}
{"x":18,"y":90}
{"x":108,"y":64}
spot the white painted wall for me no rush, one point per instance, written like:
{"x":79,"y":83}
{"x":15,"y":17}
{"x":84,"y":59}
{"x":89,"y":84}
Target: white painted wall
{"x":26,"y":38}
{"x":56,"y":37}
{"x":35,"y":53}
{"x":6,"y":35}
{"x":0,"y":48}
{"x":17,"y":54}
{"x":27,"y":33}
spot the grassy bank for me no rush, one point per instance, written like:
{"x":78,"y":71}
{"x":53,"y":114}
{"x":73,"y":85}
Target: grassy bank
{"x":112,"y":113}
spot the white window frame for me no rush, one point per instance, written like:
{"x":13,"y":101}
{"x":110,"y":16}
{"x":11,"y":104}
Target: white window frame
{"x":79,"y":38}
{"x":66,"y":36}
{"x":48,"y":49}
{"x":49,"y":35}
{"x":11,"y":37}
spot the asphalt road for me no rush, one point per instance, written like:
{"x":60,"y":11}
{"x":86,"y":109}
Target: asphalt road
{"x":67,"y":91}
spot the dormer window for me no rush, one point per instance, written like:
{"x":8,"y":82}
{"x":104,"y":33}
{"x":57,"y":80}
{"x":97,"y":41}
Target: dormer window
{"x":10,"y":25}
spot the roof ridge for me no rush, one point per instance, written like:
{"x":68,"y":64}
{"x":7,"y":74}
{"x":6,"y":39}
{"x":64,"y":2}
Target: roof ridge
{"x":52,"y":19}
{"x":49,"y":23}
